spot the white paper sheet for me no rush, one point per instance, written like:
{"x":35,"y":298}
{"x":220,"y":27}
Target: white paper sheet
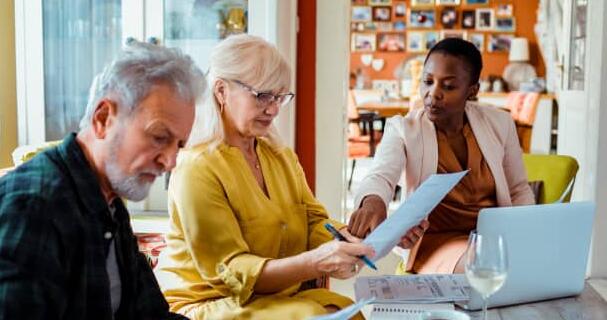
{"x":411,"y":212}
{"x":427,"y":288}
{"x":345,"y":313}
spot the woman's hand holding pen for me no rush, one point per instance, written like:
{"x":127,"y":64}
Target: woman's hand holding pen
{"x":339,"y":259}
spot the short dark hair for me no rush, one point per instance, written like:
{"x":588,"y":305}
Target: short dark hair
{"x":464,"y":50}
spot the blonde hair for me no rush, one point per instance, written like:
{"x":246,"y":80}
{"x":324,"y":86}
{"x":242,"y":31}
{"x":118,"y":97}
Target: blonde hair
{"x":246,"y":58}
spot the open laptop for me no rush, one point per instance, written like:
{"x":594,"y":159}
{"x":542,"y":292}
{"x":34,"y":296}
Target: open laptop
{"x":547,"y":251}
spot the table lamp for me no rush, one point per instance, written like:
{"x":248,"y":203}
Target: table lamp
{"x":518,"y":70}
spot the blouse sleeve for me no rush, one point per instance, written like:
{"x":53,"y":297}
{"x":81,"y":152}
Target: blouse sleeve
{"x":316,"y":212}
{"x":388,"y":164}
{"x":514,"y":169}
{"x":212,"y":233}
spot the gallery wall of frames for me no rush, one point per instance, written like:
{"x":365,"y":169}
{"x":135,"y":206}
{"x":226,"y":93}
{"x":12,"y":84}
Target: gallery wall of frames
{"x":392,"y":31}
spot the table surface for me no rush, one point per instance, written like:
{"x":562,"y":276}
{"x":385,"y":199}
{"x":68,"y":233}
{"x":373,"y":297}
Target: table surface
{"x":588,"y":306}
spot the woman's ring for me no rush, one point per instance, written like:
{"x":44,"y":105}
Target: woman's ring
{"x":354,"y":268}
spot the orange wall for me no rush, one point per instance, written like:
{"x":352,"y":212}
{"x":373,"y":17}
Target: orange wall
{"x":305,"y":115}
{"x":525,"y":12}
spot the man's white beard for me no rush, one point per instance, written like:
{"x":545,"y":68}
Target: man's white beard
{"x":129,"y":187}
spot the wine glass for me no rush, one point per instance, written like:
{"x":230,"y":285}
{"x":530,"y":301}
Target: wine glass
{"x":486,"y":265}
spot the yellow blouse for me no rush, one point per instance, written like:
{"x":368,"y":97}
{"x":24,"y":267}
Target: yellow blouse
{"x":223,"y":228}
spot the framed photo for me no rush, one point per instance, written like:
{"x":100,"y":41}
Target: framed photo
{"x":382,"y":13}
{"x":485,"y":19}
{"x":389,"y":86}
{"x":370,"y":26}
{"x":478,"y":39}
{"x":505,"y":24}
{"x":431,"y":38}
{"x":415,"y":41}
{"x":477,"y":2}
{"x":499,"y":42}
{"x":384,"y":26}
{"x":460,"y":34}
{"x":363,"y":42}
{"x":504,"y":10}
{"x":447,"y":2}
{"x":422,"y":3}
{"x":422,"y":19}
{"x":359,"y":2}
{"x":468,"y":19}
{"x":392,"y":42}
{"x":448,"y":17}
{"x":380,"y":2}
{"x":399,"y":26}
{"x":400,"y":10}
{"x":361,"y":14}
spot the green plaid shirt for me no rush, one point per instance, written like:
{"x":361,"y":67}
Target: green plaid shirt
{"x":55,"y":229}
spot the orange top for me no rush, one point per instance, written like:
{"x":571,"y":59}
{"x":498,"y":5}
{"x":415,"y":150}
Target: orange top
{"x":453,"y":219}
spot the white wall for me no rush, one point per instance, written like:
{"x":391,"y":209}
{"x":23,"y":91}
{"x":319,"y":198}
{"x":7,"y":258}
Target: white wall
{"x":596,"y":143}
{"x":332,"y":60}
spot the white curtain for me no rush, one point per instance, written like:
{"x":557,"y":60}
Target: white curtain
{"x":549,"y":30}
{"x":80,"y":37}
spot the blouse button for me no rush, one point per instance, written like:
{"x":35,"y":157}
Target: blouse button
{"x":283,"y":226}
{"x":107,"y":235}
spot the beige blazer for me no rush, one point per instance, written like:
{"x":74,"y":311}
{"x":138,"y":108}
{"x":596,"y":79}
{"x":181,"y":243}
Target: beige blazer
{"x":409,"y":143}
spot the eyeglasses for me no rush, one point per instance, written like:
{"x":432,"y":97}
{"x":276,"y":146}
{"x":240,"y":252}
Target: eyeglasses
{"x":266,"y":98}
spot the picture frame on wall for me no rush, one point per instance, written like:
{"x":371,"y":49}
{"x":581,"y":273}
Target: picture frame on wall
{"x":359,"y":2}
{"x":361,"y":14}
{"x":399,"y":26}
{"x":477,"y":2}
{"x":485,"y":19}
{"x":447,"y":2}
{"x":391,"y":42}
{"x":415,"y":41}
{"x":383,"y":13}
{"x":430,"y":39}
{"x":448,"y":17}
{"x":460,"y":34}
{"x":363,"y":42}
{"x":400,"y":10}
{"x":505,"y":24}
{"x":468,"y":19}
{"x":422,"y":3}
{"x":422,"y":19}
{"x":504,"y":10}
{"x":478,"y":39}
{"x":499,"y":42}
{"x":384,"y":26}
{"x":380,"y":2}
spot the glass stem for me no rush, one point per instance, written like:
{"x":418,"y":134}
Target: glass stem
{"x":485,"y":302}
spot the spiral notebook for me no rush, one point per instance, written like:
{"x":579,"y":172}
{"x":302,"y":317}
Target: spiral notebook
{"x":400,"y":311}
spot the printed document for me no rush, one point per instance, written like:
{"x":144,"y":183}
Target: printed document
{"x":411,"y":212}
{"x":430,"y":288}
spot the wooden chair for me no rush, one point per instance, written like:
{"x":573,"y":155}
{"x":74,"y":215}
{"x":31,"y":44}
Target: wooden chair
{"x":362,"y":136}
{"x":523,"y":107}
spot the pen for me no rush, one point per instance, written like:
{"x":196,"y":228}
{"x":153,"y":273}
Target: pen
{"x":340,"y":237}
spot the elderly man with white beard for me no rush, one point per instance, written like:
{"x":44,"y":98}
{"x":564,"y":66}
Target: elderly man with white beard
{"x":67,"y":250}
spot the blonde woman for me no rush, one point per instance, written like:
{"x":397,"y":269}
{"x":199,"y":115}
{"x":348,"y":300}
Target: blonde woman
{"x":246,"y":231}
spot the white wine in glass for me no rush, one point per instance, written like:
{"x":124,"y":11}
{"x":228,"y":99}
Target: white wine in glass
{"x":486,"y":265}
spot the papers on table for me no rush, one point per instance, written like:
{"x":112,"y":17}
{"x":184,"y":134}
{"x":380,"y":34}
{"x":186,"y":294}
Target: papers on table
{"x":345,"y":313}
{"x":411,"y":212}
{"x":430,"y":288}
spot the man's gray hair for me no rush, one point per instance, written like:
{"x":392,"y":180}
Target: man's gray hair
{"x":130,"y":77}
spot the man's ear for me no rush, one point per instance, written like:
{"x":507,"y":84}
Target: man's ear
{"x":104,"y":117}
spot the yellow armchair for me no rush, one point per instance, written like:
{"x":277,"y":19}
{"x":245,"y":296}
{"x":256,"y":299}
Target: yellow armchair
{"x":557,"y":172}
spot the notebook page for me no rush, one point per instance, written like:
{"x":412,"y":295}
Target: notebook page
{"x":401,"y":311}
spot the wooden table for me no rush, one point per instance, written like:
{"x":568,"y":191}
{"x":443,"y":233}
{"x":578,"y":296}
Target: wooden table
{"x":385,"y":109}
{"x":588,"y":306}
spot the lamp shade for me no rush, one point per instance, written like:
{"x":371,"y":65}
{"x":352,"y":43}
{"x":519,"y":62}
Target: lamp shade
{"x":519,"y":50}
